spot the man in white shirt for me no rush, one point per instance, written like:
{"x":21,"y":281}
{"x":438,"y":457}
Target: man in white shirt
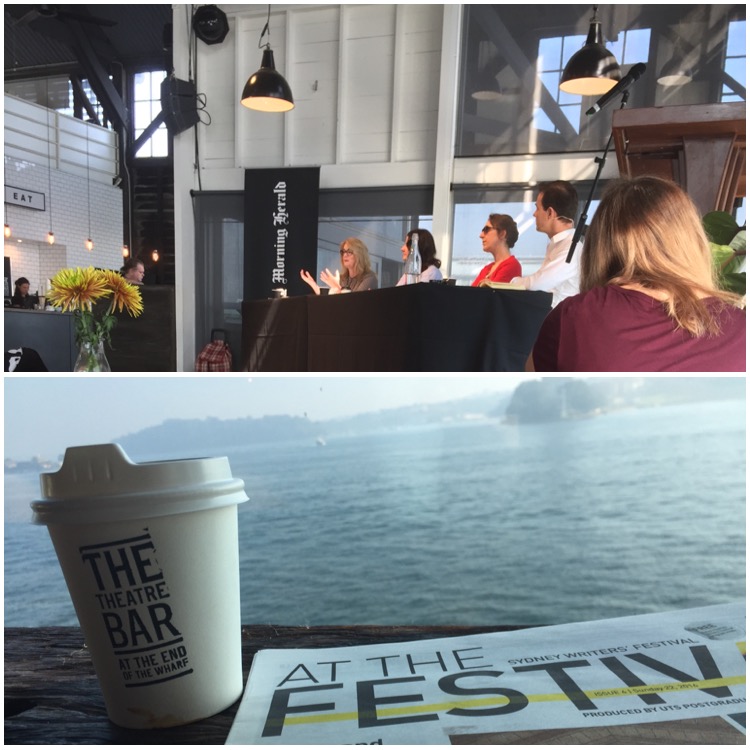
{"x":556,"y":208}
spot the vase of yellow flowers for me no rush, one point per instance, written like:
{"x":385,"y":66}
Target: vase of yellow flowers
{"x":78,"y":290}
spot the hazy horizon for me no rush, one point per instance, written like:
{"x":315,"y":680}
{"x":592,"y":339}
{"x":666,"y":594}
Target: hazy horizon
{"x":45,"y":415}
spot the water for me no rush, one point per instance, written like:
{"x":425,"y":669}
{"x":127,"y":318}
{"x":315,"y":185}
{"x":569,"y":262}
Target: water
{"x":628,"y":513}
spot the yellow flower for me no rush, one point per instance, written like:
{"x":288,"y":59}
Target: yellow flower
{"x":77,"y":288}
{"x":124,"y":294}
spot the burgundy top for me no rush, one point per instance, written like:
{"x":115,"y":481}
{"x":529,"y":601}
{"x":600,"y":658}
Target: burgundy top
{"x":507,"y":270}
{"x":611,"y":329}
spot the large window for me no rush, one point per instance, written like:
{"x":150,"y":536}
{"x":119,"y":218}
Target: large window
{"x":631,"y":47}
{"x":146,"y":106}
{"x":381,"y":219}
{"x":734,"y":84}
{"x":219,"y":266}
{"x":56,"y":92}
{"x":513,"y":57}
{"x":472,"y":207}
{"x":431,"y":500}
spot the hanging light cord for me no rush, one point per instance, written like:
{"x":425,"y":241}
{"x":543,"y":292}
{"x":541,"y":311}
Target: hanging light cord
{"x":266,"y":30}
{"x":49,"y":174}
{"x":88,"y":179}
{"x":49,"y":162}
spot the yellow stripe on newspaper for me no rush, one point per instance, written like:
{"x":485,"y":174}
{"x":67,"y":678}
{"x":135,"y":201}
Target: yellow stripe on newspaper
{"x":618,"y":692}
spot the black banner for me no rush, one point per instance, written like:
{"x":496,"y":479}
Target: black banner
{"x":281,"y":229}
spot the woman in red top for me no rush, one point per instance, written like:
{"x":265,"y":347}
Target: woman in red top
{"x":498,"y":236}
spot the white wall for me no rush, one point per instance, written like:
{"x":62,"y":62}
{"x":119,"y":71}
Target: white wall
{"x":46,"y":150}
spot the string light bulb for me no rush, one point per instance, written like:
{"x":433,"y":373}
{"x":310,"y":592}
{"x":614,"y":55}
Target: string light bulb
{"x":6,"y":231}
{"x":89,"y":244}
{"x":125,"y":251}
{"x":50,"y":237}
{"x":155,"y":255}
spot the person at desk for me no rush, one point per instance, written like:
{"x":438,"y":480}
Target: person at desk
{"x":649,"y":298}
{"x":21,"y":297}
{"x":133,"y":271}
{"x":428,"y":253}
{"x":498,"y":236}
{"x":356,"y":274}
{"x":556,"y":209}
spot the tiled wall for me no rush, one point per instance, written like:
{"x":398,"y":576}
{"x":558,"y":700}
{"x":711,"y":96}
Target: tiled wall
{"x":68,"y":215}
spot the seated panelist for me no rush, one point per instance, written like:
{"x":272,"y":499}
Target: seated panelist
{"x":498,"y":236}
{"x":555,"y":213}
{"x":356,"y":273}
{"x":428,"y":253}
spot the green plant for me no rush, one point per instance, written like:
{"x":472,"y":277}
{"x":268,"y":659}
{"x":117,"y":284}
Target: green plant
{"x":728,"y":242}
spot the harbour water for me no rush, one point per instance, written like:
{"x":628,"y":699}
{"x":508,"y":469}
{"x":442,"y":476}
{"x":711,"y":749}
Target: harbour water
{"x":630,"y":512}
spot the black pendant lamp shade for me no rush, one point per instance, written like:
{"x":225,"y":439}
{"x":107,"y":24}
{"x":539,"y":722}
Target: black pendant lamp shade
{"x":267,"y":90}
{"x":593,"y":70}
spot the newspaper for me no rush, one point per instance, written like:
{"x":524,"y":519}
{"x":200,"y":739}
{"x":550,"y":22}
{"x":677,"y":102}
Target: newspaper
{"x":654,"y":679}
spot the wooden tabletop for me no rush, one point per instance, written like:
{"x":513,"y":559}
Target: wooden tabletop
{"x":52,"y":694}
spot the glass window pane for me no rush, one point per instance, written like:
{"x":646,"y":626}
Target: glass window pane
{"x":473,"y":206}
{"x":542,"y":121}
{"x":147,"y":86}
{"x":637,"y":43}
{"x":573,"y":114}
{"x":142,"y":115}
{"x":156,"y":78}
{"x":550,"y":52}
{"x":552,"y":83}
{"x":141,"y":87}
{"x":524,"y":38}
{"x":737,"y":68}
{"x":160,"y":142}
{"x":737,"y":39}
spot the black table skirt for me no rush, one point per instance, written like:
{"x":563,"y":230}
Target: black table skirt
{"x":420,"y":328}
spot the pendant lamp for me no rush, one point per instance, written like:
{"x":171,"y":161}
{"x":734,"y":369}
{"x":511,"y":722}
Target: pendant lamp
{"x":266,"y":90}
{"x":593,"y":70}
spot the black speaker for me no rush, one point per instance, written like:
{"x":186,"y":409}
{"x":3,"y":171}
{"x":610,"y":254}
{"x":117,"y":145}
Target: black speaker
{"x":179,"y":104}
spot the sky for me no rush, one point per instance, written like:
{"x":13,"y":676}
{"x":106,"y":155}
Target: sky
{"x":46,"y":414}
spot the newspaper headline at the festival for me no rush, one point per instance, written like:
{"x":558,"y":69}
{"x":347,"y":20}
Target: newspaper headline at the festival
{"x":658,"y":676}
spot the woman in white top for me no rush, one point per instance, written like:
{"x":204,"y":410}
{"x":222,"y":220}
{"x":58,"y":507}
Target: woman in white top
{"x":430,"y":264}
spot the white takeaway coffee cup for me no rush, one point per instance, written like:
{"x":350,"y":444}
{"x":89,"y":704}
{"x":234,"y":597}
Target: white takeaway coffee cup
{"x":150,"y":555}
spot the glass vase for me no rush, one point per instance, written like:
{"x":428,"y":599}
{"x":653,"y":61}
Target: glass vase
{"x":91,"y":358}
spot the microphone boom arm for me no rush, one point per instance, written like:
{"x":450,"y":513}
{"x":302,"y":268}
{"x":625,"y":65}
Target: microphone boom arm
{"x":600,"y":160}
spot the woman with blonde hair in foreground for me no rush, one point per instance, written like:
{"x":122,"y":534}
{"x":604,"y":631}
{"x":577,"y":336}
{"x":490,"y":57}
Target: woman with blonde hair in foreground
{"x":356,"y":274}
{"x":649,"y":298}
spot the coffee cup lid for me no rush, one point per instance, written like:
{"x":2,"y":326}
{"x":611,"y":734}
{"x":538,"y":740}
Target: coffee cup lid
{"x":99,"y":483}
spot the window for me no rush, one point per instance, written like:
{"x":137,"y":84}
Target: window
{"x":512,"y":60}
{"x":219,"y":264}
{"x":146,"y":106}
{"x":734,"y":83}
{"x":473,"y":206}
{"x":380,"y":218}
{"x":446,"y":499}
{"x":553,"y":55}
{"x":56,"y":93}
